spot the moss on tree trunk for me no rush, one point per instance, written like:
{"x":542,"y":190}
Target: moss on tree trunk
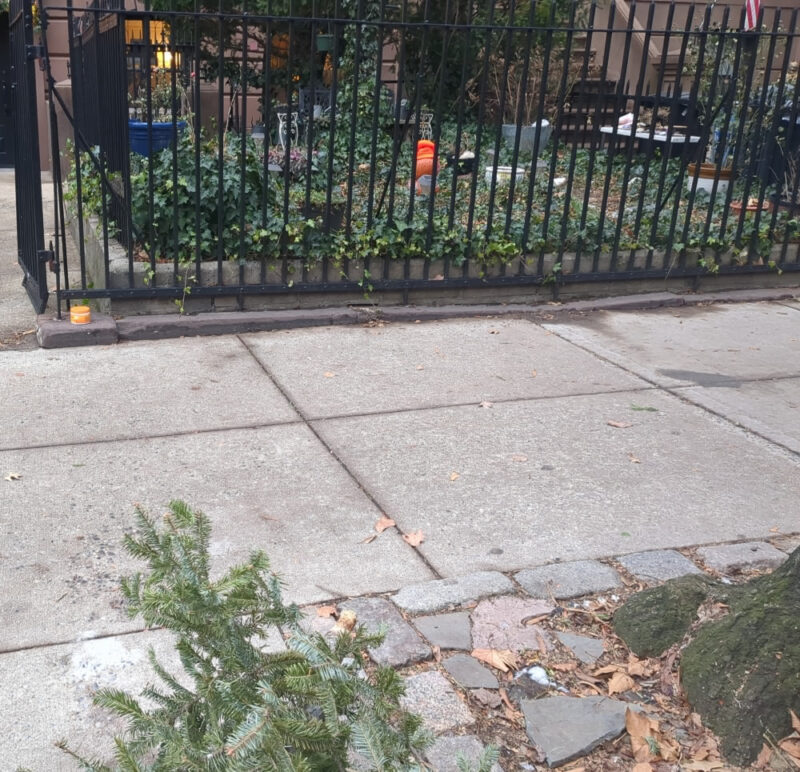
{"x":741,"y":673}
{"x":652,"y":620}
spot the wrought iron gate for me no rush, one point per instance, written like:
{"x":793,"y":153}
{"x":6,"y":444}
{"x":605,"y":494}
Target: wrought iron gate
{"x":27,"y":172}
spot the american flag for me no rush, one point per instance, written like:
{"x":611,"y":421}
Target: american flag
{"x":750,"y":14}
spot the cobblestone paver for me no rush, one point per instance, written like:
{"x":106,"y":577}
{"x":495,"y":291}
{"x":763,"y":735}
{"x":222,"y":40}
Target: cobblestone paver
{"x":562,"y":727}
{"x":402,"y":645}
{"x":447,"y":631}
{"x":568,"y":580}
{"x":431,"y":697}
{"x":427,"y":597}
{"x":727,"y":558}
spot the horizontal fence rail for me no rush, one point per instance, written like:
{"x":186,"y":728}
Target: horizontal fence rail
{"x":363,"y":146}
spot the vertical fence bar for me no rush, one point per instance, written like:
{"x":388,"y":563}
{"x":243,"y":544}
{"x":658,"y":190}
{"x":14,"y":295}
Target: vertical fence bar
{"x":595,"y":144}
{"x":620,"y":89}
{"x":582,"y":85}
{"x":691,"y":108}
{"x":637,"y":97}
{"x":674,"y":103}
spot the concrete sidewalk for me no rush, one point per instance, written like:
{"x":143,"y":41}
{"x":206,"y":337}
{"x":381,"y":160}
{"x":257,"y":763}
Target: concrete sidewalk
{"x":510,"y":444}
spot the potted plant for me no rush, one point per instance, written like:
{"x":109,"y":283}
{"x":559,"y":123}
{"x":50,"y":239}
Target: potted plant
{"x":153,"y":129}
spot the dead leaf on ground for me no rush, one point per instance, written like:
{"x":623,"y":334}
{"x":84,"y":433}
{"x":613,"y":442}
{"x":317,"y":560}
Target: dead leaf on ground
{"x":513,"y":716}
{"x":533,"y":373}
{"x":702,"y":766}
{"x":486,"y":403}
{"x":763,"y":758}
{"x":608,"y":670}
{"x":642,"y":766}
{"x":384,"y":523}
{"x":791,"y":747}
{"x":347,"y":621}
{"x":619,"y":683}
{"x":420,"y":367}
{"x":589,"y":679}
{"x":504,"y":697}
{"x":326,"y":611}
{"x":564,"y":667}
{"x":13,"y":476}
{"x":619,"y":424}
{"x":494,"y":332}
{"x":329,"y":374}
{"x":414,"y":539}
{"x":641,"y":667}
{"x":454,"y":476}
{"x":519,"y":458}
{"x":633,"y":459}
{"x":502,"y":659}
{"x":640,"y":728}
{"x":371,"y":538}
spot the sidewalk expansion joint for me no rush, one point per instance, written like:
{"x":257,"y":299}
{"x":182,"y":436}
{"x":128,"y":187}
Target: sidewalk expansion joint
{"x":75,"y":641}
{"x":675,"y":391}
{"x":143,"y":437}
{"x":354,"y":477}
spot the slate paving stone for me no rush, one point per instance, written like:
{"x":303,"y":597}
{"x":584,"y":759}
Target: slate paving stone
{"x":469,"y":673}
{"x":658,"y":565}
{"x":727,"y":558}
{"x":566,"y":728}
{"x":431,"y":697}
{"x":787,"y":544}
{"x":499,"y":623}
{"x":587,"y":650}
{"x":444,"y":753}
{"x":568,"y":580}
{"x":402,"y":645}
{"x":428,"y":597}
{"x":447,"y":631}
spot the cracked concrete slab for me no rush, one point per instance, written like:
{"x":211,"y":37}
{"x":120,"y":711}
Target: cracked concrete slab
{"x":61,"y":524}
{"x":334,"y":371}
{"x":527,"y":483}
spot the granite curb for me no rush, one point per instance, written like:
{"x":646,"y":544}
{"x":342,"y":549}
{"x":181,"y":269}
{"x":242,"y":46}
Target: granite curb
{"x":105,"y":330}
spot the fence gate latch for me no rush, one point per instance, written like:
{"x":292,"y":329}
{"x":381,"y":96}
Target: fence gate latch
{"x":49,"y":257}
{"x":34,"y":52}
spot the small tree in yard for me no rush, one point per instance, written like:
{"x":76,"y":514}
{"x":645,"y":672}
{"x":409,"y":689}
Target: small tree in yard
{"x":237,"y":707}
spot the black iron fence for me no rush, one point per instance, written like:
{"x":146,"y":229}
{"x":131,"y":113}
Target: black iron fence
{"x":369,"y":146}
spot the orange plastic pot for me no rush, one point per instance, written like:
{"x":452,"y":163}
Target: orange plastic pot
{"x":426,"y":158}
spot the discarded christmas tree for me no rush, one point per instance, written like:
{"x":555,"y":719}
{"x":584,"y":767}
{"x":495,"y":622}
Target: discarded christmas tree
{"x":236,"y":706}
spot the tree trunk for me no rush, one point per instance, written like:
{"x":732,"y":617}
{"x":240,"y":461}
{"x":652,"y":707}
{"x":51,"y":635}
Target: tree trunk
{"x":741,"y":673}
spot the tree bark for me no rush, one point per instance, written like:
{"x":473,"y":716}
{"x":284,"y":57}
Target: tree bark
{"x":741,"y":673}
